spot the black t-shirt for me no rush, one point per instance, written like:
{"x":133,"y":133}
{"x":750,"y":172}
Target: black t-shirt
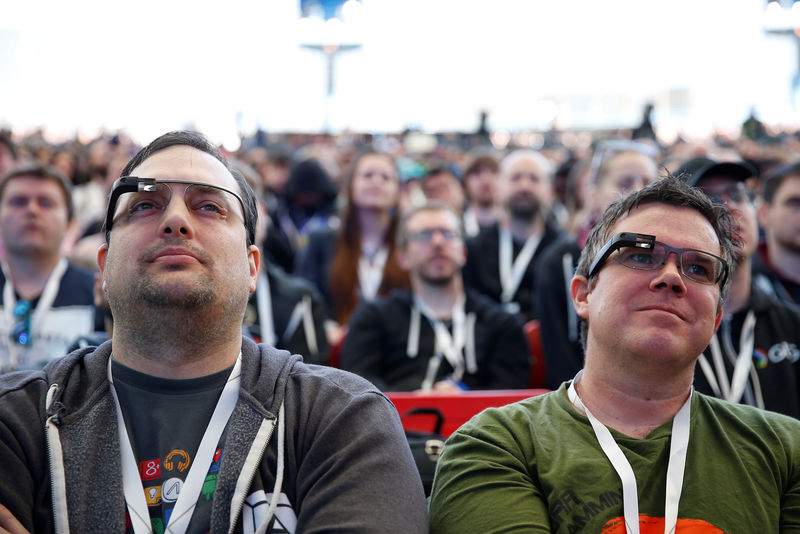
{"x":166,"y":420}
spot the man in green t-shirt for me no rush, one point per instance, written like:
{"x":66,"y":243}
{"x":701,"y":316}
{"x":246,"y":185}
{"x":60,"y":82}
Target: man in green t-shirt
{"x":626,"y":446}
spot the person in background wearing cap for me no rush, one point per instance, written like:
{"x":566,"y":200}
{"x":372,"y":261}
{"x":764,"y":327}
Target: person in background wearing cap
{"x":627,"y":445}
{"x":617,"y":170}
{"x":778,"y":258}
{"x":480,"y":186}
{"x":501,"y":259}
{"x":752,"y":358}
{"x":435,"y":337}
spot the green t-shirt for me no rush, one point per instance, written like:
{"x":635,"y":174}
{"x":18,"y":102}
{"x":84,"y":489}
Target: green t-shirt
{"x":536,"y":466}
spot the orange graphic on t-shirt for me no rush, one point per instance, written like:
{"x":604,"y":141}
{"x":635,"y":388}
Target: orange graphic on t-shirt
{"x":655,"y":525}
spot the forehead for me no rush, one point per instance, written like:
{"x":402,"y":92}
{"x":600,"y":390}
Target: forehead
{"x":186,"y":163}
{"x":678,"y":227}
{"x":432,"y":219}
{"x":526,"y":164}
{"x":790,"y":187}
{"x":631,"y":162}
{"x":375,"y":160}
{"x":33,"y":185}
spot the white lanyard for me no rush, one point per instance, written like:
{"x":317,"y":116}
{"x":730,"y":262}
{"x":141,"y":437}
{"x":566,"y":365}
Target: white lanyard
{"x":451,"y":347}
{"x":187,"y":498}
{"x":370,"y":273}
{"x":679,"y":444}
{"x":264,"y":304}
{"x":46,"y":300}
{"x":731,"y":389}
{"x":511,"y":273}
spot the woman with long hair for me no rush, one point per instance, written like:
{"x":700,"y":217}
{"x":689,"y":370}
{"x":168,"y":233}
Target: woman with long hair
{"x":359,"y":262}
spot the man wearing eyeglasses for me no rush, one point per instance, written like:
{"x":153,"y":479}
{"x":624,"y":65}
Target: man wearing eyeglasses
{"x":46,"y":301}
{"x":435,"y":337}
{"x":179,"y":424}
{"x":627,"y":445}
{"x":752,"y":358}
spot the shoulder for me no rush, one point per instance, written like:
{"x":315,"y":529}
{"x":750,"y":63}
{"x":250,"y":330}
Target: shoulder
{"x":486,"y":236}
{"x":282,"y":282}
{"x":747,"y":422}
{"x":487,"y":309}
{"x":398,"y":301}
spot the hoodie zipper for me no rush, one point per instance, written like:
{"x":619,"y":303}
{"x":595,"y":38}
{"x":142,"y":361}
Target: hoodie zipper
{"x":58,"y":494}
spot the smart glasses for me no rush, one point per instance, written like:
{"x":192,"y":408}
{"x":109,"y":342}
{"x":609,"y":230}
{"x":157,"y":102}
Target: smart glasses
{"x":426,"y":236}
{"x":643,"y":252}
{"x":134,"y":198}
{"x":21,"y":329}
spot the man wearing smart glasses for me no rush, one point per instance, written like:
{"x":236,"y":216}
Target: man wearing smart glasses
{"x":627,"y":444}
{"x":179,"y":424}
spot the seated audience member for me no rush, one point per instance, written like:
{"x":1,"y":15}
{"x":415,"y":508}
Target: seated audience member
{"x":480,"y":186}
{"x":778,"y":258}
{"x":437,"y":336}
{"x":628,"y":445}
{"x":285,"y":311}
{"x":441,"y":184}
{"x":501,"y":259}
{"x":47,"y":302}
{"x":628,"y":167}
{"x":753,"y":355}
{"x":358,"y":262}
{"x":179,"y":423}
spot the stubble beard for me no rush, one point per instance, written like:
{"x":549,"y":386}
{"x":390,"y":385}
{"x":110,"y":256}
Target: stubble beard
{"x":524,"y":209}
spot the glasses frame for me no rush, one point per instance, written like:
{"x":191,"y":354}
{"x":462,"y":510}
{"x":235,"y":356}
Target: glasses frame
{"x":416,"y":237}
{"x":648,"y":242}
{"x":132,"y":184}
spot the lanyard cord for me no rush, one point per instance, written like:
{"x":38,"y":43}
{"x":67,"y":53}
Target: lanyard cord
{"x":679,"y":444}
{"x":732,"y":389}
{"x":44,"y":305}
{"x":187,"y":498}
{"x":511,"y":273}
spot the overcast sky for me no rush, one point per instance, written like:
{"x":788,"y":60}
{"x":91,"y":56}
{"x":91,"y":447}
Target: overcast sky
{"x":153,"y":65}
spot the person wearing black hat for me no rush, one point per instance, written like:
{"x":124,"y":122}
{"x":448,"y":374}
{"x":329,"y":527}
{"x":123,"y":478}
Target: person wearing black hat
{"x":752,"y":357}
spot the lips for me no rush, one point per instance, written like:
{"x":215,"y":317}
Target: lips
{"x":172,"y":255}
{"x":665,"y":308}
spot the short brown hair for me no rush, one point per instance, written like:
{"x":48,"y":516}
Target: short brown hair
{"x":42,"y":172}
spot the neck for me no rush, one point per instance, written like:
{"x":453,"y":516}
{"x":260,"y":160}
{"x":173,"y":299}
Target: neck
{"x":484,"y":214}
{"x":30,"y":274}
{"x":785,"y":261}
{"x":176,"y":343}
{"x":373,"y":224}
{"x":631,"y":403}
{"x":439,"y":299}
{"x":739,"y":291}
{"x":522,"y":229}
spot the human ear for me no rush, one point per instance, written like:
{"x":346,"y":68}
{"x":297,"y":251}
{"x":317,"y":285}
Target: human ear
{"x":579,"y":291}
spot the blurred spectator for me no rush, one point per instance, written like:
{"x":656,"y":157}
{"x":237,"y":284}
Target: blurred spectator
{"x":627,"y":167}
{"x":310,"y":198}
{"x":437,"y":336}
{"x":501,"y":259}
{"x":480,"y":184}
{"x":285,"y":311}
{"x":359,"y":262}
{"x":8,"y":154}
{"x":47,"y":303}
{"x":441,"y":183}
{"x":753,"y":355}
{"x":778,"y":258}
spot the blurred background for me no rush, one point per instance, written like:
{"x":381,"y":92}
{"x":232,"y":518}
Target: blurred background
{"x":514,"y":68}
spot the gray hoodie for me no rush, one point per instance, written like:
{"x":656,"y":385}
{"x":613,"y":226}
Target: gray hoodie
{"x":346,"y":464}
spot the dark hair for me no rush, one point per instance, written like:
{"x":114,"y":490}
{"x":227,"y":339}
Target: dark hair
{"x":480,"y":163}
{"x":672,"y":191}
{"x":773,"y":180}
{"x":5,"y":139}
{"x":200,"y":142}
{"x":344,"y":266}
{"x":430,"y":205}
{"x":42,"y":172}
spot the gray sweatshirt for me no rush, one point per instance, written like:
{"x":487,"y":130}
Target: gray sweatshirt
{"x":346,"y":463}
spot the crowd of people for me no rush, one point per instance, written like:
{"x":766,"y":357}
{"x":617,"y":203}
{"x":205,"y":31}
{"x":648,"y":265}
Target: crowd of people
{"x":418,"y":271}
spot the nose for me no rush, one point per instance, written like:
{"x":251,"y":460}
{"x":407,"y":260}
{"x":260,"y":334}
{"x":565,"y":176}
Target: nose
{"x":669,"y":276}
{"x":176,"y":220}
